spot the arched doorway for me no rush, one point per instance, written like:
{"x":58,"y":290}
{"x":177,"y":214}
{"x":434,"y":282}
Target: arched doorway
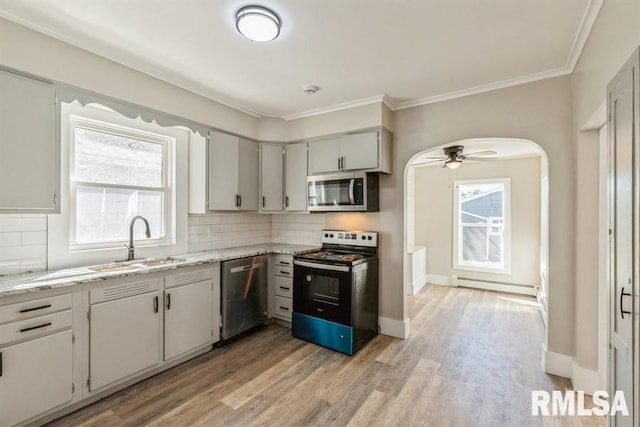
{"x":506,"y":150}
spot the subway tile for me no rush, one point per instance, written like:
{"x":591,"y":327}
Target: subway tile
{"x":10,"y":238}
{"x":34,"y":238}
{"x":9,"y":267}
{"x":33,"y":264}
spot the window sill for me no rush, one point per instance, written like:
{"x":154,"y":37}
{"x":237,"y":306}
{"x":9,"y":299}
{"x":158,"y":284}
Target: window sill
{"x":482,"y":269}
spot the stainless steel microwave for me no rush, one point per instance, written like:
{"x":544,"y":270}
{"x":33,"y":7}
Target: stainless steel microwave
{"x":344,"y":192}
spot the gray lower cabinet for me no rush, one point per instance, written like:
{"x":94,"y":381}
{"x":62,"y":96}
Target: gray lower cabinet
{"x":281,"y":294}
{"x":191,"y":312}
{"x":124,"y":336}
{"x":36,"y":357}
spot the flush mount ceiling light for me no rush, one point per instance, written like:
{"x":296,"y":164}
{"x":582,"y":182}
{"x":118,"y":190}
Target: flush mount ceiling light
{"x":258,"y":23}
{"x":310,"y":89}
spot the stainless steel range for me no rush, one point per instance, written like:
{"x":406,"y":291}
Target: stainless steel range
{"x":335,"y":291}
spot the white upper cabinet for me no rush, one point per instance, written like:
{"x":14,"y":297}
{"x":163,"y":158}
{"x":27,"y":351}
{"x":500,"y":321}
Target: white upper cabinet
{"x":29,"y":146}
{"x":295,"y":196}
{"x":233,"y":173}
{"x":271,"y":177}
{"x":370,"y":151}
{"x":324,"y":156}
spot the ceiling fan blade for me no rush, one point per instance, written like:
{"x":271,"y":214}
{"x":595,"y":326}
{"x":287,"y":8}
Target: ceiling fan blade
{"x":430,"y":161}
{"x":481,"y":159}
{"x":481,"y":153}
{"x":437,"y":158}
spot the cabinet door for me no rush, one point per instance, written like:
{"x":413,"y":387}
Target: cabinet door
{"x":124,"y":338}
{"x":324,"y":156}
{"x":35,"y":376}
{"x":247,"y":175}
{"x":188,"y":318}
{"x":29,"y":146}
{"x":271,"y":174}
{"x":223,"y":171}
{"x":296,"y":177}
{"x":360,"y":150}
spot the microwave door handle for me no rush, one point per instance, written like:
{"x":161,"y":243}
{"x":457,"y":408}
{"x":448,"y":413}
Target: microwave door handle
{"x":352,"y":183}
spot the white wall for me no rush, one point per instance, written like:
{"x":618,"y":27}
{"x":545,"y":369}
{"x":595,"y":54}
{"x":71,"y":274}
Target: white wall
{"x":434,"y":200}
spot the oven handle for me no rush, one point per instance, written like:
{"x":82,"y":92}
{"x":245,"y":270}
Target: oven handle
{"x":321,"y":266}
{"x":352,"y":183}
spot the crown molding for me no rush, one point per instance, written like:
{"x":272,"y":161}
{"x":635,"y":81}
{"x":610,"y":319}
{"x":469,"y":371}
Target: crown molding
{"x":336,"y":107}
{"x":141,"y":65}
{"x":588,"y":19}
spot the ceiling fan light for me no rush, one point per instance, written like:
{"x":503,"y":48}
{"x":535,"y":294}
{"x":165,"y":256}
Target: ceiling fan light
{"x":258,"y":23}
{"x":452,"y":163}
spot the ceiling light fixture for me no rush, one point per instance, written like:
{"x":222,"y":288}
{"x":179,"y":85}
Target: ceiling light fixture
{"x":453,"y":163}
{"x":258,"y":23}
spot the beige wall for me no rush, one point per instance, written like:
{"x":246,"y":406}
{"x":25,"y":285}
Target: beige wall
{"x":33,"y":52}
{"x":614,"y":37}
{"x":539,"y":112}
{"x":434,"y":216}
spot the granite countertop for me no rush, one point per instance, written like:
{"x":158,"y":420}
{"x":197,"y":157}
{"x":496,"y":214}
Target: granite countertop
{"x":32,"y":282}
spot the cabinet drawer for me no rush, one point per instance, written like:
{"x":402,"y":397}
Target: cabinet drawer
{"x":134,"y":286}
{"x":33,"y":308}
{"x":284,"y":287}
{"x":283,"y":308}
{"x":283,"y":261}
{"x":284,"y":271}
{"x":35,"y":326}
{"x":188,"y":277}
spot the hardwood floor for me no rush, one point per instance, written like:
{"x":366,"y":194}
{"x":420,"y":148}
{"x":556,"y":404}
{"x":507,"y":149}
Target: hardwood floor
{"x":472,"y":359}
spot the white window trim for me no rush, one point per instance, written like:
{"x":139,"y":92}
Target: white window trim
{"x":168,"y":181}
{"x":457,"y":236}
{"x":60,"y":253}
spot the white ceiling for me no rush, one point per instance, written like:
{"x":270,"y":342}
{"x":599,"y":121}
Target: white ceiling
{"x":413,"y":51}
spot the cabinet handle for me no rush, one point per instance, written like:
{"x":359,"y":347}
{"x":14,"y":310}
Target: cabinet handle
{"x":342,"y":165}
{"x":44,"y":325}
{"x":284,"y":287}
{"x":286,"y":202}
{"x":168,"y":301}
{"x":622,"y":310}
{"x":284,"y":308}
{"x":0,"y":363}
{"x":263,"y":201}
{"x":155,"y":304}
{"x":26,"y":310}
{"x":239,"y":200}
{"x":284,"y":272}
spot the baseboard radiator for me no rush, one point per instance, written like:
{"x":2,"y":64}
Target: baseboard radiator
{"x":490,"y":285}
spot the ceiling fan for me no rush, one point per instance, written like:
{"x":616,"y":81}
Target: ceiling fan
{"x":453,"y":157}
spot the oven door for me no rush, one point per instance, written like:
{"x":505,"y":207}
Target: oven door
{"x":323,"y":291}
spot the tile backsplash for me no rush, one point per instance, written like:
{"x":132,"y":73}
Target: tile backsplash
{"x":216,"y":231}
{"x":299,"y":229}
{"x":23,"y":238}
{"x":23,"y":243}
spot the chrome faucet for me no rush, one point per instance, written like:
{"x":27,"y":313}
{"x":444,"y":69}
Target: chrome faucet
{"x":131,"y":255}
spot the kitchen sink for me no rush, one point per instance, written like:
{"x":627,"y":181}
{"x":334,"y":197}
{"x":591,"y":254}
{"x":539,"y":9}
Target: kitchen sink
{"x":137,"y":264}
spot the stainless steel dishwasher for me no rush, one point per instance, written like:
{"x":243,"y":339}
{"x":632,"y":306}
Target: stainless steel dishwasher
{"x":244,"y":294}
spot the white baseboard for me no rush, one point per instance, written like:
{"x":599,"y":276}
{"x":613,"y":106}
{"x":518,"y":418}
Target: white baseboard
{"x":557,"y":363}
{"x":566,"y":366}
{"x":437,"y":279}
{"x":417,"y":284}
{"x":393,"y":327}
{"x":495,"y":286}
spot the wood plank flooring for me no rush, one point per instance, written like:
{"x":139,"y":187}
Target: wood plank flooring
{"x":472,"y":359}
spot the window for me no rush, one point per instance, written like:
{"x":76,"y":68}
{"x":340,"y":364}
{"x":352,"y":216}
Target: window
{"x":481,"y":225}
{"x":116,"y":173}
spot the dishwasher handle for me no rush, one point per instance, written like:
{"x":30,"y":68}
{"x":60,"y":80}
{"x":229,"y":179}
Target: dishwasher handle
{"x":243,"y":268}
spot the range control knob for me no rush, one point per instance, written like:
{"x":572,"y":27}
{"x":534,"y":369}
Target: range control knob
{"x":331,"y":235}
{"x":369,"y":238}
{"x":308,"y":277}
{"x":364,"y":237}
